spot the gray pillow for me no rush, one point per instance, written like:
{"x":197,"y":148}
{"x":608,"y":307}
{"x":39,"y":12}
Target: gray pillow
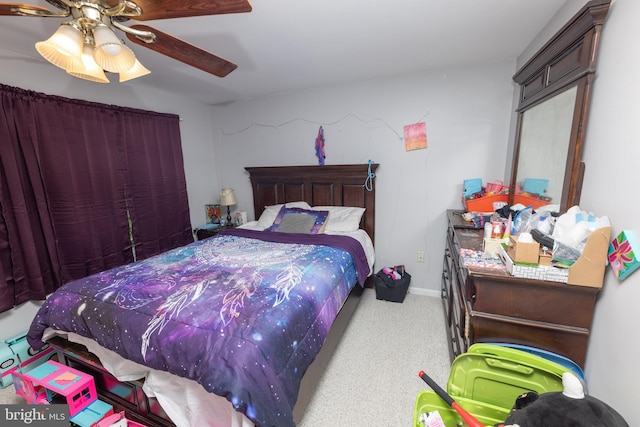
{"x":296,"y":223}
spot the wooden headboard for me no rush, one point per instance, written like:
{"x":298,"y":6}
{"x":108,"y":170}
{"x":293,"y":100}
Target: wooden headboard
{"x":319,"y":185}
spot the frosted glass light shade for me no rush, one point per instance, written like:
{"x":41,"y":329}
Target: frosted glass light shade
{"x":123,"y":61}
{"x":87,"y":68}
{"x":63,"y":47}
{"x":110,"y":53}
{"x":138,"y":70}
{"x":105,"y":37}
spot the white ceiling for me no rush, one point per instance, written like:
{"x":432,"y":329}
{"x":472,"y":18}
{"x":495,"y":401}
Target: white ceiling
{"x":288,"y":45}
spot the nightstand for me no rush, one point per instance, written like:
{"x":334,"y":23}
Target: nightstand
{"x":206,"y":231}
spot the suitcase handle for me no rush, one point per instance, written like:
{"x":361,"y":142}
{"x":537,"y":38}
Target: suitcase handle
{"x":516,"y":367}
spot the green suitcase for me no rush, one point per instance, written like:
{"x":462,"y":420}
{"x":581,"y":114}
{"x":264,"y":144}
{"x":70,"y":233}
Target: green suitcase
{"x":486,"y":380}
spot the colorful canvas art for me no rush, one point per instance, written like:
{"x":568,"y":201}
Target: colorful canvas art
{"x":415,"y":136}
{"x":623,"y":256}
{"x":213,"y":213}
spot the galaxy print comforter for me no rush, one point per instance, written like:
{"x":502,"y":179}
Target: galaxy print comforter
{"x":243,"y":313}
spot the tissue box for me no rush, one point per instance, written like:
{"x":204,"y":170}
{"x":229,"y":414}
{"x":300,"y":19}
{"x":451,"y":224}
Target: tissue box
{"x":544,"y":259}
{"x":523,"y":252}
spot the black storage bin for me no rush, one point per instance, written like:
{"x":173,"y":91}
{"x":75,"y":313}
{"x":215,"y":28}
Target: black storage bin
{"x":389,"y":289}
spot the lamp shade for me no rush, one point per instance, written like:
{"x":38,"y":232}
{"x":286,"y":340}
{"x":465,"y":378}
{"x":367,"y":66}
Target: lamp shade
{"x":87,"y":68}
{"x":110,"y":53}
{"x":227,"y":197}
{"x":63,"y":47}
{"x":138,"y":70}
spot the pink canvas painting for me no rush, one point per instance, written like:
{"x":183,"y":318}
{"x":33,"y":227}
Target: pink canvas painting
{"x":415,"y":136}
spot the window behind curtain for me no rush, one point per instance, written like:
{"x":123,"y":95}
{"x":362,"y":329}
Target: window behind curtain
{"x":87,"y":169}
{"x":157,"y":187}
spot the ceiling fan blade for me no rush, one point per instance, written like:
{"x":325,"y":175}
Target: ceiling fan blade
{"x":184,"y":52}
{"x":166,"y":9}
{"x":6,"y":9}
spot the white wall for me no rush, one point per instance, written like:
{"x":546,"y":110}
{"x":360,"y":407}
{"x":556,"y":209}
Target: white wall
{"x":610,"y":187}
{"x":467,"y":112}
{"x":195,"y":130}
{"x":611,"y":154}
{"x":467,"y":117}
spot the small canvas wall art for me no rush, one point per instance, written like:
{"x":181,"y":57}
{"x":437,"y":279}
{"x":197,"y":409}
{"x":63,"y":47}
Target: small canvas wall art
{"x":213,"y":213}
{"x":623,"y":255}
{"x":415,"y":136}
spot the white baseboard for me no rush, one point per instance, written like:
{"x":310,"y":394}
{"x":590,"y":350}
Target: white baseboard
{"x":424,"y":292}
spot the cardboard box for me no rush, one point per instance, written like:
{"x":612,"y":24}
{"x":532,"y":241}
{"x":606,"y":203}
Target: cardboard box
{"x":523,"y":252}
{"x":544,"y":258}
{"x":588,"y":270}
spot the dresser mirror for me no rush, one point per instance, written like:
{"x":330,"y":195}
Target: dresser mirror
{"x":555,"y":86}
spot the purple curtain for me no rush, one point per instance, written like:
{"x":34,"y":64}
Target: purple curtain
{"x":75,"y":176}
{"x":157,"y":188}
{"x":28,"y":257}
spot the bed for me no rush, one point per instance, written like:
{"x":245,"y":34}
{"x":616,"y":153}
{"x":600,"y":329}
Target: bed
{"x":246,"y":339}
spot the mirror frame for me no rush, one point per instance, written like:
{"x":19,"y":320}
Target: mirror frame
{"x":567,"y":60}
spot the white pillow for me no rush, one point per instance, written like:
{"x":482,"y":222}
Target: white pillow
{"x":342,"y":218}
{"x":271,"y":212}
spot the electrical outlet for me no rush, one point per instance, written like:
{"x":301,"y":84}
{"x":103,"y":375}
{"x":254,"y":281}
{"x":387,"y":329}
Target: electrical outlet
{"x":420,"y":256}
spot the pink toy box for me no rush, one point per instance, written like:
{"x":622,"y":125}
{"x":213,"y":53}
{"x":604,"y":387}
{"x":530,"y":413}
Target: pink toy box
{"x":118,"y":420}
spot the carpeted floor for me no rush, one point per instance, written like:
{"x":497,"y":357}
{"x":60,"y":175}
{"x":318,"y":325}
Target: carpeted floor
{"x":372,"y":379}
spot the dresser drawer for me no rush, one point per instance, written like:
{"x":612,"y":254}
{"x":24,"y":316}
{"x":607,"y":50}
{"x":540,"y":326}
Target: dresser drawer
{"x":539,"y":301}
{"x":564,"y":340}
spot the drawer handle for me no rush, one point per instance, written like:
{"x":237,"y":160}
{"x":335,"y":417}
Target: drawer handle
{"x":495,"y":363}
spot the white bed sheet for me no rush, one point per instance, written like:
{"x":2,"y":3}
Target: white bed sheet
{"x":186,"y":402}
{"x":360,"y":235}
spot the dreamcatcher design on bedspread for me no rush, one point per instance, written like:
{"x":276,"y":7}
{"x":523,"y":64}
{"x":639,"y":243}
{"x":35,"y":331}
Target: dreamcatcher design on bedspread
{"x":229,"y":257}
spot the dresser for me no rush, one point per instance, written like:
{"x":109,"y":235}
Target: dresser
{"x":482,"y":305}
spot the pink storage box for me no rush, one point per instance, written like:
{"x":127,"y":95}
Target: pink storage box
{"x":118,"y":420}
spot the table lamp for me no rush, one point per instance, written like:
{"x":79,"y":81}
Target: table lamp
{"x":228,"y":198}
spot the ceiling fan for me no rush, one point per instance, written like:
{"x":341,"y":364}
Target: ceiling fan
{"x":86,"y":45}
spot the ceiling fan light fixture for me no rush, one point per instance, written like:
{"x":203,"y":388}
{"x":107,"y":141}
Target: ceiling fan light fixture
{"x":138,"y":70}
{"x":63,"y":47}
{"x":87,"y":68}
{"x":123,"y":61}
